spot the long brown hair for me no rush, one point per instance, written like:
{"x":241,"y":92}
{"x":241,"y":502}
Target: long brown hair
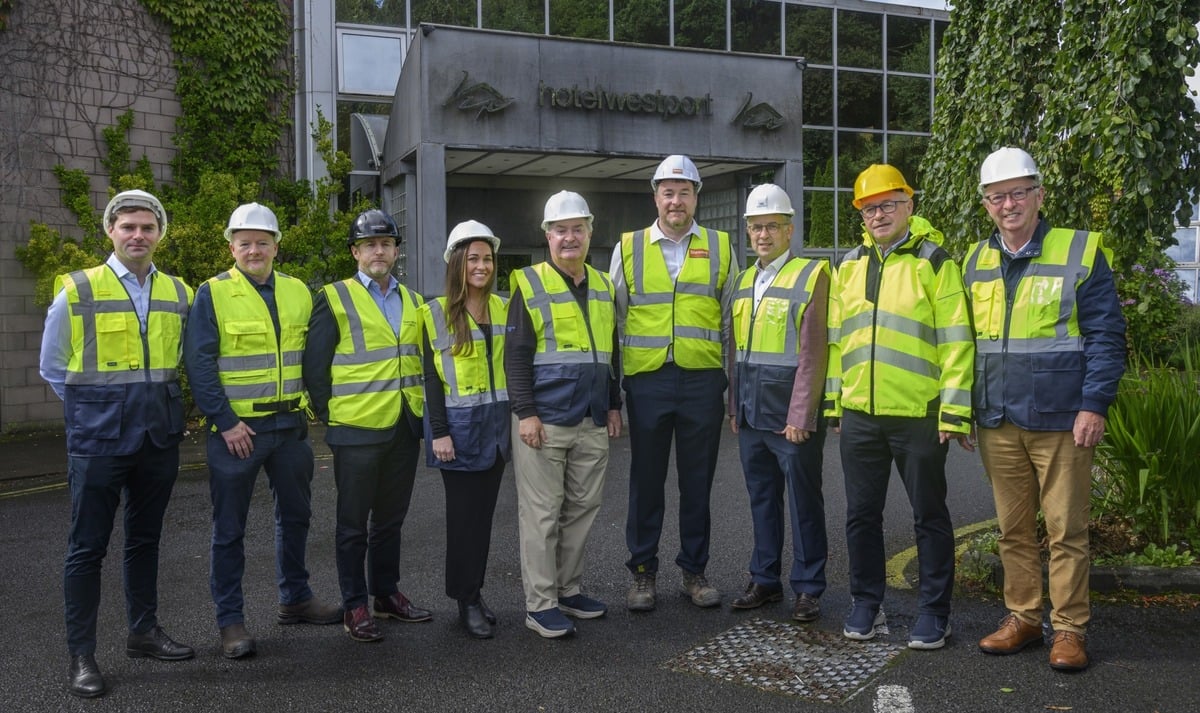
{"x":457,"y":318}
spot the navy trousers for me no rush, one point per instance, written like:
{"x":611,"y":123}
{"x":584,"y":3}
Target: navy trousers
{"x":287,"y":457}
{"x":684,"y":405}
{"x":869,"y":445}
{"x":374,"y":485}
{"x":776,"y":469}
{"x":146,"y":479}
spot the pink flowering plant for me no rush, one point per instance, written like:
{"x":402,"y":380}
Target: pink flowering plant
{"x":1152,"y":298}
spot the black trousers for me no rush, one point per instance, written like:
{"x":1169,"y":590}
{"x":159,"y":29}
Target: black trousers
{"x":470,"y":504}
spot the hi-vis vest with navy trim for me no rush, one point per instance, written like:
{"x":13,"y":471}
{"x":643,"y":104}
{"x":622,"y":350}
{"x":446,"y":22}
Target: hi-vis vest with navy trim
{"x":261,"y":374}
{"x":374,"y":371}
{"x":108,"y":345}
{"x":770,"y":335}
{"x":685,"y":315}
{"x":1044,"y":315}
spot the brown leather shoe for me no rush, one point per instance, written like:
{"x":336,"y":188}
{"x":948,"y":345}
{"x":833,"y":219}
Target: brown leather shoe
{"x":1068,"y":651}
{"x":310,"y":611}
{"x":757,"y":595}
{"x":807,"y":608}
{"x":397,"y":606}
{"x":236,"y":642}
{"x":360,"y":626}
{"x":1012,"y":636}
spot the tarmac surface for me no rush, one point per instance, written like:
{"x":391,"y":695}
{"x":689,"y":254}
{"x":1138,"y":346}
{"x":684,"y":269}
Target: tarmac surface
{"x":677,"y":658}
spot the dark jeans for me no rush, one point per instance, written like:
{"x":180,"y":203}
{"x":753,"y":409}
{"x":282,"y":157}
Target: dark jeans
{"x":683,"y":404}
{"x":374,"y":485}
{"x":287,"y":457}
{"x":869,"y":444}
{"x":773,"y":465}
{"x":146,"y":479}
{"x":470,"y":504}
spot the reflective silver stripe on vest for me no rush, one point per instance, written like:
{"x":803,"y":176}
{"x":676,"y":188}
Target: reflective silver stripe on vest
{"x":374,"y":355}
{"x":891,"y":357}
{"x":249,"y":392}
{"x":769,"y":359}
{"x":355,"y":321}
{"x":894,"y":322}
{"x":480,"y":399}
{"x":954,"y":333}
{"x":633,"y":340}
{"x":957,"y":397}
{"x":710,"y":335}
{"x":111,"y":378}
{"x":366,"y":387}
{"x":245,"y":363}
{"x":293,"y":386}
{"x":1030,"y":345}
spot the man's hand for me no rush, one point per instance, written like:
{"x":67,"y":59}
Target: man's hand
{"x":964,"y":439}
{"x":443,"y":449}
{"x":614,"y":423}
{"x":531,"y":432}
{"x":1089,"y":429}
{"x":795,"y":435}
{"x":733,"y":427}
{"x":239,"y":440}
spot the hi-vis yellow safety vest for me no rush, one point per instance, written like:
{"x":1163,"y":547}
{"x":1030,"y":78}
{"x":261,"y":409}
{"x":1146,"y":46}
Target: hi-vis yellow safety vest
{"x":106,"y":335}
{"x":374,"y":370}
{"x":685,"y":315}
{"x":900,"y":341}
{"x":261,"y":374}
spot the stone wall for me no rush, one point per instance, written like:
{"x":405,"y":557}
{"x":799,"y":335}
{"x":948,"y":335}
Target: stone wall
{"x":71,"y":67}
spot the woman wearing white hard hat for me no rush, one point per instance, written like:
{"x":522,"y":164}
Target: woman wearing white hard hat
{"x":466,"y":412}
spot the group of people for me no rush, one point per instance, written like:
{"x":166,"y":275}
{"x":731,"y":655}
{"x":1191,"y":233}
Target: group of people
{"x":896,"y":349}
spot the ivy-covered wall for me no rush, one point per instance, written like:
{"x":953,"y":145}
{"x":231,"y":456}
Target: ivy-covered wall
{"x":70,"y":71}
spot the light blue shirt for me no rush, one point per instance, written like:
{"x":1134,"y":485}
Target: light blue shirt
{"x":388,"y":302}
{"x":56,"y":339}
{"x":766,"y":275}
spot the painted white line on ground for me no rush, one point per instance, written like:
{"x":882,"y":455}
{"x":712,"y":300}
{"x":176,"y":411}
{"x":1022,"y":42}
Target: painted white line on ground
{"x":893,"y":699}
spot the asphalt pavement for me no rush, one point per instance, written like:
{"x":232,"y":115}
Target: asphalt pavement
{"x":1144,"y":658}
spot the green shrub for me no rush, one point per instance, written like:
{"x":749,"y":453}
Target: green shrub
{"x":1152,"y":300}
{"x":1153,"y":556}
{"x":1147,"y":458}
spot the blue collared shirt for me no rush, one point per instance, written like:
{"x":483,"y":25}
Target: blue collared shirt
{"x":388,"y":302}
{"x":56,"y":339}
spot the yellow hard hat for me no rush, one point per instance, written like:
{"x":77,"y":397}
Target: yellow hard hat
{"x":879,"y":178}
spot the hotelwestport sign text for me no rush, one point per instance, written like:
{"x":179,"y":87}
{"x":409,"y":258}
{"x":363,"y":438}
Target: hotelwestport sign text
{"x":600,"y":99}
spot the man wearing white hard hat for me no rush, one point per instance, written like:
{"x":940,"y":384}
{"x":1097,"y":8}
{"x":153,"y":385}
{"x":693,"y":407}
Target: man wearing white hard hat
{"x":561,"y":357}
{"x":362,"y":370}
{"x":1050,"y":351}
{"x":674,"y":282}
{"x":777,"y":383}
{"x":245,"y":340}
{"x":124,"y":418}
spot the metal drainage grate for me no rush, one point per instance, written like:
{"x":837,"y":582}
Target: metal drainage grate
{"x":788,"y":659}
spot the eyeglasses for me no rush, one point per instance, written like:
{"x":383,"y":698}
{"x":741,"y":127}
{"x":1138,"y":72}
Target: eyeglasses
{"x":1017,"y":195}
{"x":886,"y":207}
{"x":759,"y":228}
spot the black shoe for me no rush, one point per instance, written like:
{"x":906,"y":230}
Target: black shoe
{"x":487,"y":612}
{"x":83,"y":677}
{"x":474,"y":621}
{"x":807,"y":608}
{"x":757,"y":595}
{"x":156,"y":644}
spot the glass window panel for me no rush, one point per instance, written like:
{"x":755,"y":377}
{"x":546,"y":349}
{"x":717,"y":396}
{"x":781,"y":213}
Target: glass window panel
{"x":906,"y":153}
{"x":1189,"y":279}
{"x":910,"y":105}
{"x":939,"y":34}
{"x":369,"y":64}
{"x":818,"y":97}
{"x":370,"y":12}
{"x":644,"y":21}
{"x":819,"y":219}
{"x":818,"y":158}
{"x":860,"y":100}
{"x":345,"y":109}
{"x":810,"y":33}
{"x":850,"y":221}
{"x":908,"y":44}
{"x":860,"y":39}
{"x":457,"y":13}
{"x":522,"y":16}
{"x":856,"y":151}
{"x":1185,"y":251}
{"x":755,"y":26}
{"x":701,"y":24}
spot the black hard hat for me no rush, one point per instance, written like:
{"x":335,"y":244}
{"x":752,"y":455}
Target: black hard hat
{"x":373,"y":223}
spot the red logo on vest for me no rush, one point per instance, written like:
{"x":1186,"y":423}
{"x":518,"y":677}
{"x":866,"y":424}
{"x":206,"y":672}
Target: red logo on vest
{"x":697,"y":252}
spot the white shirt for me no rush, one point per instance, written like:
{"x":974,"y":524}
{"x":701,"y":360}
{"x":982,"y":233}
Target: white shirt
{"x":766,"y":275}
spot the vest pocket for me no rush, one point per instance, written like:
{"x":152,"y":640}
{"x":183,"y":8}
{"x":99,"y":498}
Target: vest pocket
{"x":248,"y":337}
{"x":96,"y":412}
{"x":1057,"y":382}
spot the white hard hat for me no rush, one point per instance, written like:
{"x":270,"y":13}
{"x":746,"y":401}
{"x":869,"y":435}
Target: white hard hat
{"x":470,"y":230}
{"x":136,"y":199}
{"x":565,"y":205}
{"x":768,"y":199}
{"x":252,"y":216}
{"x":1005,"y":163}
{"x":677,"y":167}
